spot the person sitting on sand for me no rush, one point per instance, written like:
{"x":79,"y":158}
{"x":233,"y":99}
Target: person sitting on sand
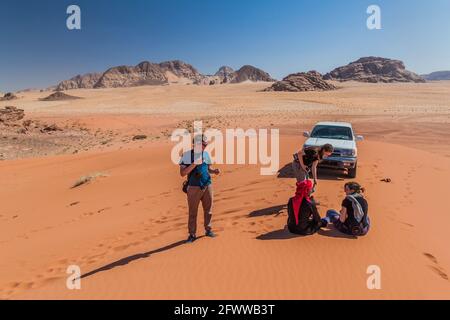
{"x":353,"y":218}
{"x":197,"y":166}
{"x":303,"y":217}
{"x":306,"y":161}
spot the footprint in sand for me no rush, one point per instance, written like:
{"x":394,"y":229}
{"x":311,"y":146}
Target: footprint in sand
{"x":407,"y":224}
{"x":121,"y":248}
{"x":74,"y":203}
{"x":436,"y":268}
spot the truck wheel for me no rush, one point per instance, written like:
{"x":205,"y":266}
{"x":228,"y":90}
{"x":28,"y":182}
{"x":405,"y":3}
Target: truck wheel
{"x":352,"y":172}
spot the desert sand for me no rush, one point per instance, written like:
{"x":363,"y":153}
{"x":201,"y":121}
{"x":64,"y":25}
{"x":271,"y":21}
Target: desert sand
{"x":126,"y":228}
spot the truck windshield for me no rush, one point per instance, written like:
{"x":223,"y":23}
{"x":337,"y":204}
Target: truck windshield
{"x":332,"y":132}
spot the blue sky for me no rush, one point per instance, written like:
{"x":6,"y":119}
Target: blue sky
{"x":279,"y":36}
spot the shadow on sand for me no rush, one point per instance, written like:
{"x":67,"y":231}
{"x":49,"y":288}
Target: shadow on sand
{"x":275,"y":210}
{"x":127,"y":260}
{"x":334,"y":233}
{"x":282,"y":234}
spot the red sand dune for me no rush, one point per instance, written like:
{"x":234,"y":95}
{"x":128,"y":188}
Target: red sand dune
{"x":125,"y":230}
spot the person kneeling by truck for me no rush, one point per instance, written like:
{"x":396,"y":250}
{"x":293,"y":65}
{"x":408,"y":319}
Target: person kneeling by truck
{"x":306,"y":161}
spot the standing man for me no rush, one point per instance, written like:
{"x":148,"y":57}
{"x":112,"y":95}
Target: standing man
{"x":196,"y":165}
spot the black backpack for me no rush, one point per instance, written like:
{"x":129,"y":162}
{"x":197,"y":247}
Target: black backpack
{"x":291,"y":224}
{"x":193,"y":172}
{"x":356,"y":228}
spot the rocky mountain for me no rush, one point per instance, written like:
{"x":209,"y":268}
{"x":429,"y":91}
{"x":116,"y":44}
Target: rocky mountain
{"x":250,"y":73}
{"x":8,"y":96}
{"x":437,"y":76}
{"x":226,"y":74}
{"x":145,"y":73}
{"x":374,"y":69}
{"x":86,"y":81}
{"x":181,"y":69}
{"x":303,"y":81}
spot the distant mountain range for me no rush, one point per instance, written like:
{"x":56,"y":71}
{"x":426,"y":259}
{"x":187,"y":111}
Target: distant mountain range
{"x":437,"y":76}
{"x":366,"y":69}
{"x":148,"y":73}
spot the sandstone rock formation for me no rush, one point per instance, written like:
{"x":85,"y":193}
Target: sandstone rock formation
{"x":437,"y":76}
{"x":59,"y":96}
{"x":145,"y":73}
{"x":374,"y":69}
{"x":10,"y":122}
{"x":8,"y":96}
{"x":208,"y":80}
{"x":11,"y":114}
{"x":226,"y":74}
{"x":181,"y":69}
{"x":86,"y":81}
{"x":303,"y":81}
{"x":250,"y":73}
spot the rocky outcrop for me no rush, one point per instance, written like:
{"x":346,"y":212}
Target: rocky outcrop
{"x":11,"y":114}
{"x":226,"y":74}
{"x":181,"y":70}
{"x":8,"y":96}
{"x":59,"y":96}
{"x":209,"y":80}
{"x":437,"y":76}
{"x":303,"y":81}
{"x":145,"y":73}
{"x":250,"y":73}
{"x":10,"y":122}
{"x":37,"y":125}
{"x":373,"y":70}
{"x":86,"y":81}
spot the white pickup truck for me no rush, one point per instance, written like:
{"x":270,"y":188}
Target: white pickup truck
{"x":341,"y":136}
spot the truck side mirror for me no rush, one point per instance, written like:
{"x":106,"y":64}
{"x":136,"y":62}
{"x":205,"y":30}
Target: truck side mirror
{"x":359,"y":138}
{"x":306,"y":134}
